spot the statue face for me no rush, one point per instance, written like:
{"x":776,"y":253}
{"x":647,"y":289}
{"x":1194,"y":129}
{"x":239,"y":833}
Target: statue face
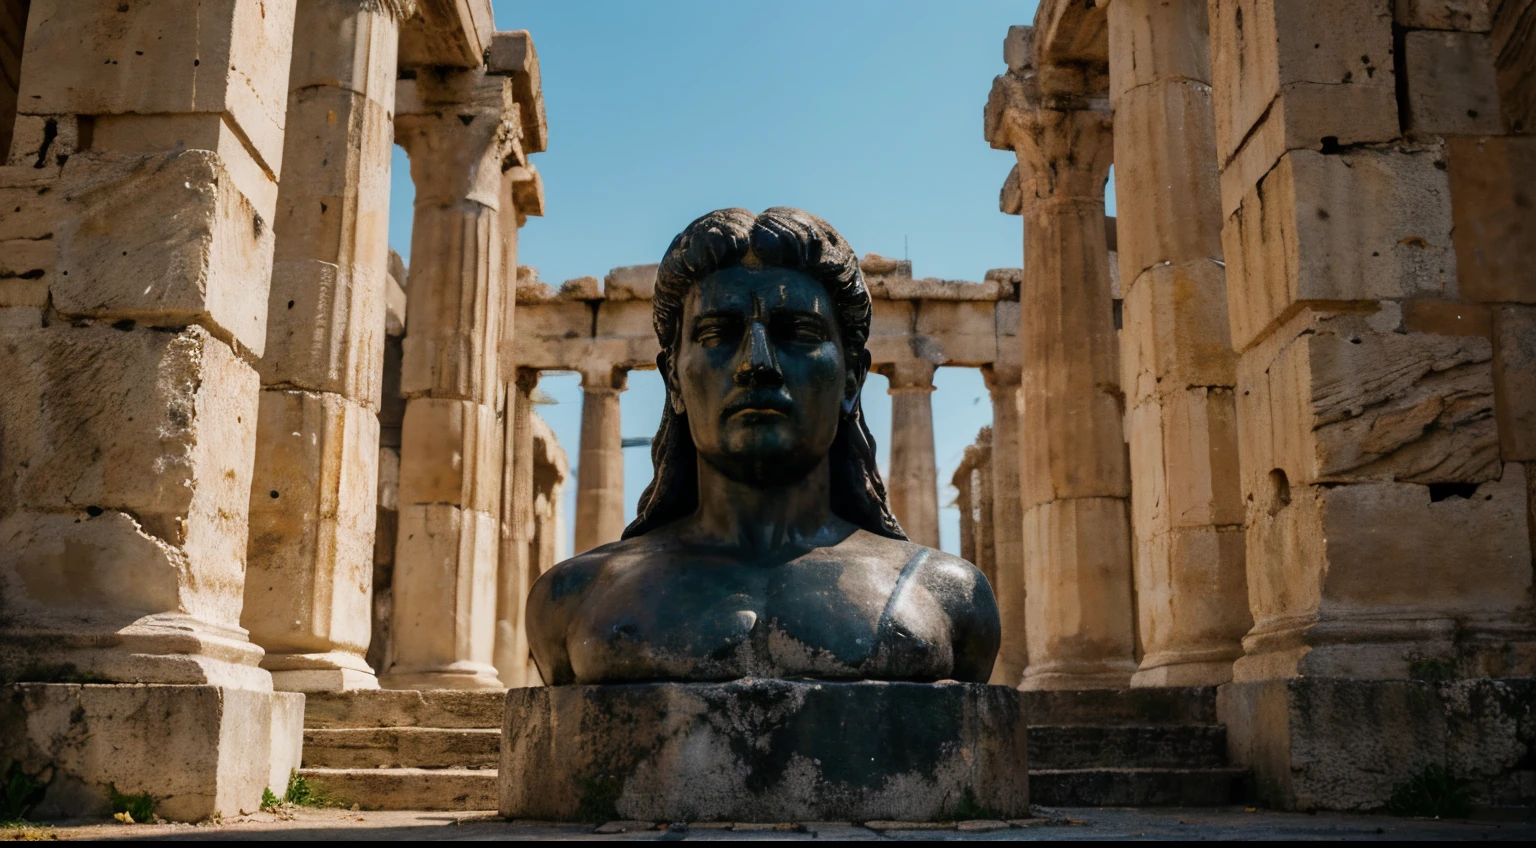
{"x":761,"y":373}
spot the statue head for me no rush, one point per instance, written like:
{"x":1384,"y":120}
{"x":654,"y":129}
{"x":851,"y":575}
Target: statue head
{"x":763,"y":322}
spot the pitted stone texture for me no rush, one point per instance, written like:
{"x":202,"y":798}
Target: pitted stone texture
{"x":1344,"y":744}
{"x":198,"y":751}
{"x":763,"y":750}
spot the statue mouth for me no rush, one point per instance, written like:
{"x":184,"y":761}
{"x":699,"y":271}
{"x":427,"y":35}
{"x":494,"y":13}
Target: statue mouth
{"x":760,"y":405}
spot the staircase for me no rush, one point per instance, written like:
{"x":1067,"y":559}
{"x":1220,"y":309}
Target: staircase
{"x":1130,"y":748}
{"x":405,"y":750}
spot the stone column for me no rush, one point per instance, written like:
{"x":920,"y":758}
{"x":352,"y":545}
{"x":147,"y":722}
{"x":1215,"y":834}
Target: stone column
{"x":458,"y":128}
{"x":135,"y":255}
{"x":914,"y":481}
{"x":600,"y":466}
{"x":1371,"y":233}
{"x":514,"y":575}
{"x":1178,"y":367}
{"x":964,"y":482}
{"x":1007,"y":524}
{"x":1074,"y":475}
{"x":986,"y":550}
{"x":314,"y":492}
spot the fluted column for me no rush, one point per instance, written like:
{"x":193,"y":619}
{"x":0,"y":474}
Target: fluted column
{"x":1178,"y":366}
{"x":1007,"y":525}
{"x":309,"y":575}
{"x":600,"y":469}
{"x":514,"y":575}
{"x":1075,"y":479}
{"x":457,"y":127}
{"x":914,"y":481}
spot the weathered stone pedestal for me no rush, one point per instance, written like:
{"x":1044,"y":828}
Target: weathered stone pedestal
{"x":196,"y":751}
{"x":764,"y":751}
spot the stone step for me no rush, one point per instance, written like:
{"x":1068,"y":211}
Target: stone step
{"x":404,"y":708}
{"x":1138,"y":787}
{"x":398,"y":747}
{"x":406,"y":788}
{"x":1124,"y":746}
{"x":1174,"y":705}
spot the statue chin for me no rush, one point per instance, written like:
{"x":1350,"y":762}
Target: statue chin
{"x":760,"y":466}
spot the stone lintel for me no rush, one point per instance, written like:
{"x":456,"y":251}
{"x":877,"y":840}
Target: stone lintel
{"x":763,"y":751}
{"x":446,"y":33}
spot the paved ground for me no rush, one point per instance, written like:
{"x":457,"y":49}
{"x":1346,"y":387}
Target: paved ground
{"x":1205,"y":823}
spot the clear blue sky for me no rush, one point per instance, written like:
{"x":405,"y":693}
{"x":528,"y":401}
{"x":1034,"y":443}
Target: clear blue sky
{"x":868,"y":114}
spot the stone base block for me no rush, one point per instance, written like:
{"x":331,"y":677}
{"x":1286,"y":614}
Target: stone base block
{"x":196,"y":751}
{"x":1334,"y":744}
{"x":764,"y":751}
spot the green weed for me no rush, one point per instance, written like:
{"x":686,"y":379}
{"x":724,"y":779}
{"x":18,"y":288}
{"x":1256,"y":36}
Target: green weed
{"x":1432,"y":793}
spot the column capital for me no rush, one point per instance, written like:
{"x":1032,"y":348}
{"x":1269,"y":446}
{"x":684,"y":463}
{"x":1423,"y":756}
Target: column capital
{"x":1059,"y":124}
{"x":602,"y":377}
{"x":908,"y":374}
{"x":526,"y":379}
{"x":461,"y":129}
{"x":1005,"y":378}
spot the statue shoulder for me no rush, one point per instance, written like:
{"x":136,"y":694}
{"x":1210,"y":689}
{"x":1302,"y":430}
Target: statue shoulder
{"x":555,"y":598}
{"x":966,"y":596}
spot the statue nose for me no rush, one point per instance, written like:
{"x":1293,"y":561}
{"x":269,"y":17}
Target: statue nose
{"x":759,"y":365}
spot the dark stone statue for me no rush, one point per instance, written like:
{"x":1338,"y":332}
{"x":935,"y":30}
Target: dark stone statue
{"x":764,"y":547}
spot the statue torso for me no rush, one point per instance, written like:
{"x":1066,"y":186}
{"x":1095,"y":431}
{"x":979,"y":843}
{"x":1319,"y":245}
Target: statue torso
{"x":867,"y":607}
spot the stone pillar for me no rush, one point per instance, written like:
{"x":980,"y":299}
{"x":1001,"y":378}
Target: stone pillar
{"x":1007,"y":524}
{"x":1178,"y":367}
{"x":314,"y":492}
{"x":514,"y":575}
{"x":550,"y":472}
{"x":1370,"y":232}
{"x":914,"y":480}
{"x":964,"y":482}
{"x":986,"y":550}
{"x":135,"y":255}
{"x":1074,"y":475}
{"x":458,"y":128}
{"x":600,"y":466}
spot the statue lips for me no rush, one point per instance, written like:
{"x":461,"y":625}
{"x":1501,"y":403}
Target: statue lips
{"x":760,"y":404}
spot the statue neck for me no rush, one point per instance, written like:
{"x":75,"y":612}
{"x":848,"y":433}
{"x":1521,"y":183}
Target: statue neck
{"x":763,"y":518}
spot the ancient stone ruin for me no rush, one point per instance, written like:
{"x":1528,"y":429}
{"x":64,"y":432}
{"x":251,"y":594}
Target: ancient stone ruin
{"x":1258,"y":499}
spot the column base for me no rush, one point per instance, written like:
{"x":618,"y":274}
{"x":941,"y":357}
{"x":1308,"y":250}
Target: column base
{"x":1387,"y":647}
{"x":1332,"y":744}
{"x":1187,"y":668}
{"x":196,"y":751}
{"x":464,"y":675}
{"x":333,"y":671}
{"x":1113,"y":675}
{"x":171,"y":648}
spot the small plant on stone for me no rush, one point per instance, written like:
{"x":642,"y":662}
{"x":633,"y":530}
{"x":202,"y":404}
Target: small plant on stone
{"x":130,"y":809}
{"x":969,"y":810}
{"x":269,"y":802}
{"x":301,"y":793}
{"x":1432,"y":793}
{"x":19,"y":794}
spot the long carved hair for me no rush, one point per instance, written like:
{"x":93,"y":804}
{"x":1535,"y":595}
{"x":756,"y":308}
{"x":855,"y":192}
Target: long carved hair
{"x":781,"y":237}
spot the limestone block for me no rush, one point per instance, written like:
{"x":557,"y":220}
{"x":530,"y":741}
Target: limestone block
{"x":45,"y":143}
{"x":631,"y":282}
{"x":626,"y":319}
{"x":1441,"y":317}
{"x":25,"y":268}
{"x":1163,"y":136}
{"x":513,"y":54}
{"x":890,"y":330}
{"x":452,"y":33}
{"x":198,"y":751}
{"x":444,"y":618}
{"x":92,"y":60}
{"x":155,"y":425}
{"x":450,"y":453}
{"x":207,"y":263}
{"x":1361,"y":580}
{"x":1516,"y":61}
{"x":1328,"y":66}
{"x":325,"y":331}
{"x":1175,"y":332}
{"x":154,"y":135}
{"x":394,"y":308}
{"x":28,"y":210}
{"x":1157,"y":42}
{"x":1514,"y":382}
{"x":961,"y":332}
{"x":348,"y":46}
{"x":1192,"y":610}
{"x":1149,"y":479}
{"x":1492,"y":183}
{"x":1340,"y":403}
{"x":1451,"y":85}
{"x":1070,"y":458}
{"x":1199,"y":429}
{"x":454,"y":304}
{"x":1077,"y":564}
{"x":313,"y":506}
{"x":1364,"y":225}
{"x":763,"y":751}
{"x":391,"y":404}
{"x":1461,"y":15}
{"x":1347,"y":744}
